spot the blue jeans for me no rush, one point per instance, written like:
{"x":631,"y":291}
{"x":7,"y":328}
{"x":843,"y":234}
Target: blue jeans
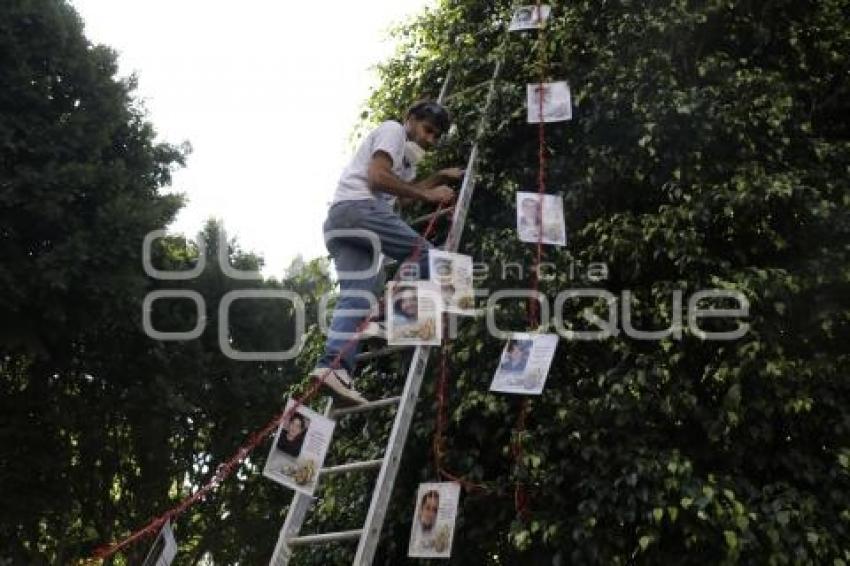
{"x":352,"y":254}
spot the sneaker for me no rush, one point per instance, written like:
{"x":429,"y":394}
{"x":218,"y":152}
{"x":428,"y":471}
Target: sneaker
{"x":338,"y":382}
{"x":374,"y":330}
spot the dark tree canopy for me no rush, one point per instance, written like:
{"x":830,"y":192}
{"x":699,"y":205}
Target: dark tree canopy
{"x":80,"y":176}
{"x":708,"y":149}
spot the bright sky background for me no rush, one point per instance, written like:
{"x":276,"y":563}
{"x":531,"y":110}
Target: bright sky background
{"x":267,"y":92}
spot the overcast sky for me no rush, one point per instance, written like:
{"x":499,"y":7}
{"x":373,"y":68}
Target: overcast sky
{"x":267,"y":92}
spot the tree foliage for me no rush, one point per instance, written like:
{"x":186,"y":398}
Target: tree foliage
{"x":707,"y":150}
{"x":102,"y":427}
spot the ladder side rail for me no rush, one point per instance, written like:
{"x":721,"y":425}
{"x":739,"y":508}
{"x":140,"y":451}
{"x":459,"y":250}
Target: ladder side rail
{"x":392,"y":458}
{"x":298,"y":508}
{"x":370,"y":534}
{"x":459,"y":217}
{"x":368,"y":544}
{"x":444,"y":90}
{"x":462,"y":207}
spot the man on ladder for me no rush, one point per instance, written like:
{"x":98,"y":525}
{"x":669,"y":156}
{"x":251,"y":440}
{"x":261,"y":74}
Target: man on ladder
{"x":361,"y":218}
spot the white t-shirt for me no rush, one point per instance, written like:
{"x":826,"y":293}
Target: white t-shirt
{"x":389,"y":137}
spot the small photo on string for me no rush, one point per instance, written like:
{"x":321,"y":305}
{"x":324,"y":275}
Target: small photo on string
{"x":557,"y":102}
{"x":525,"y":362}
{"x":414,"y":313}
{"x":434,"y":520}
{"x":452,"y":274}
{"x":299,"y":449}
{"x":164,"y":548}
{"x":529,"y":17}
{"x":540,"y":218}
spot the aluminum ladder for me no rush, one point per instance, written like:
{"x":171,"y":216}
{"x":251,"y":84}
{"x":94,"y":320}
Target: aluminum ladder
{"x":368,"y":536}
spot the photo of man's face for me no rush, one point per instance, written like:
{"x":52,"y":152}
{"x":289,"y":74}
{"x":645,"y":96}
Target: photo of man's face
{"x":407,"y":304}
{"x":525,"y":15}
{"x":413,"y":314}
{"x":541,"y":218}
{"x":292,"y":435}
{"x":443,"y":272}
{"x":516,"y":355}
{"x":428,"y":510}
{"x":443,"y":269}
{"x":531,"y":218}
{"x":529,"y":210}
{"x":297,"y":427}
{"x":541,"y":92}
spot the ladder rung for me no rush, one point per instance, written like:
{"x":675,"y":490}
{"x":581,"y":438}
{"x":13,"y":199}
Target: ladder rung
{"x":325,"y":537}
{"x":428,"y":217}
{"x":370,"y":406}
{"x":383,"y":352}
{"x":353,"y":467}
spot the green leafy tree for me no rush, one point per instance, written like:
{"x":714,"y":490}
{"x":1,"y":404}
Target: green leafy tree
{"x":707,"y":149}
{"x":102,"y":427}
{"x":79,"y":184}
{"x":80,"y":178}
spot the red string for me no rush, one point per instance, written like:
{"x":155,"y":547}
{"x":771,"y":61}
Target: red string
{"x":438,"y":443}
{"x":520,"y":493}
{"x":223,"y":471}
{"x":226,"y":469}
{"x":521,"y":499}
{"x":438,"y":446}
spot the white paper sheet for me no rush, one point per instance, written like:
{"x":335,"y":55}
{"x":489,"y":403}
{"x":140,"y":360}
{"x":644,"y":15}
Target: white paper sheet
{"x":528,"y":218}
{"x":557,"y":102}
{"x":299,"y":449}
{"x":525,"y":362}
{"x":452,"y":274}
{"x":527,"y":17}
{"x":164,"y":548}
{"x":434,"y":517}
{"x":414,"y":313}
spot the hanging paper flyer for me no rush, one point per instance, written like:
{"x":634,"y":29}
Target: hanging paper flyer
{"x":164,"y":548}
{"x":434,"y":520}
{"x":525,"y":362}
{"x":414,"y":313}
{"x":299,"y":449}
{"x":529,"y":17}
{"x":529,"y":216}
{"x":452,"y":273}
{"x":557,"y":102}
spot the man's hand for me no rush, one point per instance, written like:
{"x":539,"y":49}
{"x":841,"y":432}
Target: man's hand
{"x":440,"y":194}
{"x":451,"y":174}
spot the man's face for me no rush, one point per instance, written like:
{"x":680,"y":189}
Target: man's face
{"x":295,"y":429}
{"x":409,"y":304}
{"x":541,"y":92}
{"x":529,"y":210}
{"x":428,"y":513}
{"x":516,"y":353}
{"x":423,"y":132}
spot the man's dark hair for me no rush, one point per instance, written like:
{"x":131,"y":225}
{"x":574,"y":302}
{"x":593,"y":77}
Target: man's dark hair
{"x":432,"y":111}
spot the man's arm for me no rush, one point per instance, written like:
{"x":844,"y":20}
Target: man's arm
{"x":441,"y":178}
{"x":381,"y":178}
